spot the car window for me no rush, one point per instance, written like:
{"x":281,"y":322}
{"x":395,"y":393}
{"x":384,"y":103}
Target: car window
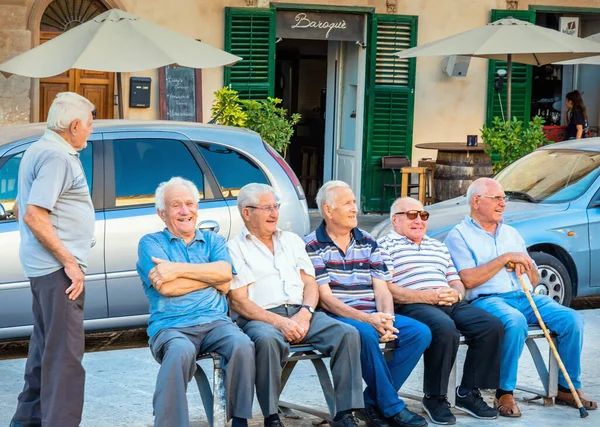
{"x":9,"y":174}
{"x":142,"y":164}
{"x":232,"y":169}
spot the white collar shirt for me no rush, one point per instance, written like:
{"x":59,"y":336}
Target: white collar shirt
{"x":273,"y":279}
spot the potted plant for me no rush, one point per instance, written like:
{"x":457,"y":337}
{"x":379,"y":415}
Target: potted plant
{"x":507,"y":141}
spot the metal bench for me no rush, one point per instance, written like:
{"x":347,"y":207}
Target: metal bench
{"x":214,"y":406}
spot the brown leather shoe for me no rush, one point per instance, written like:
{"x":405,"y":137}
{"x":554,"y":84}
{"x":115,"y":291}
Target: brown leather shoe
{"x":567,"y":399}
{"x":506,"y":406}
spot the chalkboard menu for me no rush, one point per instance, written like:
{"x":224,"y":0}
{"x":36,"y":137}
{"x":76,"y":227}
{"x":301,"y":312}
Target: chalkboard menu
{"x":180,"y":93}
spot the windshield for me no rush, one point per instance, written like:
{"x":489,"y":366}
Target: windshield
{"x":550,"y":176}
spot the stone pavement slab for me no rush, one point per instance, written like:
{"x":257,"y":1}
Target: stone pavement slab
{"x":120,"y":384}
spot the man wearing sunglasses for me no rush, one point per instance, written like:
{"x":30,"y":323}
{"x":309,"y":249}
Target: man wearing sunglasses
{"x":426,"y":287}
{"x":352,"y":288}
{"x":481,"y":246}
{"x":275,"y":294}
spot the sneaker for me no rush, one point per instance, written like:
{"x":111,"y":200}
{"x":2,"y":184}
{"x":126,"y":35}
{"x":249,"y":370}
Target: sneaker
{"x":474,"y":405}
{"x":438,"y":409}
{"x":406,"y":418}
{"x":346,"y":421}
{"x":372,"y":417}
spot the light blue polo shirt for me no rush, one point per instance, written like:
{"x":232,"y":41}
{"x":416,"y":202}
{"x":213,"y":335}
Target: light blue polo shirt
{"x":471,"y":246}
{"x":196,"y":308}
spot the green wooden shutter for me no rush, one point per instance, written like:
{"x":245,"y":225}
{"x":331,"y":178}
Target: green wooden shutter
{"x":522,"y":77}
{"x":390,"y":104}
{"x":250,"y":33}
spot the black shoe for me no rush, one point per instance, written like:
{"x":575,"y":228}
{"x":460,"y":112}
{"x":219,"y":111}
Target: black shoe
{"x":474,"y":405}
{"x":346,"y":421}
{"x":406,"y":418}
{"x":274,"y":423}
{"x":438,"y":409}
{"x":372,"y":417}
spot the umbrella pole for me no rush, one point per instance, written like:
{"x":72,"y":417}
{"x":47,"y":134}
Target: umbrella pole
{"x":120,"y":94}
{"x":509,"y":86}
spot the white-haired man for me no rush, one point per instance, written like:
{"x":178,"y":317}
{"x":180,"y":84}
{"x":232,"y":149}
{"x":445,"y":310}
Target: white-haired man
{"x":481,"y":246}
{"x":275,"y":294}
{"x":427,"y":288}
{"x":186,"y":273}
{"x":352,"y":280}
{"x":56,"y":224}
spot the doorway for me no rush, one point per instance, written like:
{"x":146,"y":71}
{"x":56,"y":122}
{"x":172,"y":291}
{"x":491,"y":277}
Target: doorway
{"x":97,"y":86}
{"x":301,"y":84}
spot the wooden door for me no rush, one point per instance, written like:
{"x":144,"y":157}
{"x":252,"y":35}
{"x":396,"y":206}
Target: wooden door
{"x":97,"y":86}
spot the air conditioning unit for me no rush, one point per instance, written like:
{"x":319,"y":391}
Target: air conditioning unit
{"x":456,"y":66}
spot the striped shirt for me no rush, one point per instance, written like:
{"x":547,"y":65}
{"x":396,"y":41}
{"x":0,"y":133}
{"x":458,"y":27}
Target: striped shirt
{"x":417,"y":267}
{"x":349,"y":274}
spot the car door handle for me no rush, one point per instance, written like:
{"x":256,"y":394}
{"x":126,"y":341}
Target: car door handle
{"x":93,"y":242}
{"x":209,"y":225}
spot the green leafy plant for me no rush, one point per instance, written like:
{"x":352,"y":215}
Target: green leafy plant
{"x":511,"y":140}
{"x":271,"y":122}
{"x":227,"y":109}
{"x":265,"y":117}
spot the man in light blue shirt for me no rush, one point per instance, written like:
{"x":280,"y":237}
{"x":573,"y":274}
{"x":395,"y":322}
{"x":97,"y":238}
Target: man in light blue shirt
{"x":186,"y":274}
{"x":481,"y":246}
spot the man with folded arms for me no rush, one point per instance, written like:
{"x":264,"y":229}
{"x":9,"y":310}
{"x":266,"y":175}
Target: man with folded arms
{"x":275,"y":294}
{"x":427,"y":288}
{"x":352,"y":287}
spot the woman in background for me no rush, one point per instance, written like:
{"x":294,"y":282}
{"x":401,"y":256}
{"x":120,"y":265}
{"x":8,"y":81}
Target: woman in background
{"x":576,"y":116}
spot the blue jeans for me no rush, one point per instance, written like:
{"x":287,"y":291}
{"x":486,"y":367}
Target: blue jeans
{"x":515,"y":313}
{"x":385,"y":379}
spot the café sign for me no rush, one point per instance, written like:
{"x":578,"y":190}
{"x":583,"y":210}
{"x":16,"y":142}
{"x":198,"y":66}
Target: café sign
{"x":320,"y":25}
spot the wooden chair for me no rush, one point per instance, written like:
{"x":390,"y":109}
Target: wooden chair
{"x":401,"y":165}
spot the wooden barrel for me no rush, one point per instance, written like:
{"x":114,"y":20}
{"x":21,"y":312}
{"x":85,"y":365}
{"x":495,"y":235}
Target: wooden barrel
{"x":456,"y":170}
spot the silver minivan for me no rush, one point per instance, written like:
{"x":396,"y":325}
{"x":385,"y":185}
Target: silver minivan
{"x":124,"y":162}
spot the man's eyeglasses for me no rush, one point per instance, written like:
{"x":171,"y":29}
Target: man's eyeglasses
{"x":266,"y":208}
{"x":495,"y":198}
{"x":412,"y":215}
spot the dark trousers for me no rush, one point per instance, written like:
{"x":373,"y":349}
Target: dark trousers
{"x":332,"y":338}
{"x":55,"y":352}
{"x":384,"y":379}
{"x":176,"y":349}
{"x":483,"y":334}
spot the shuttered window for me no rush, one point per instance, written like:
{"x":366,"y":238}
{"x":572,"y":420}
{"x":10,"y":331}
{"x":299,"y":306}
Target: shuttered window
{"x":522,"y":77}
{"x":390,"y":95}
{"x":250,"y":33}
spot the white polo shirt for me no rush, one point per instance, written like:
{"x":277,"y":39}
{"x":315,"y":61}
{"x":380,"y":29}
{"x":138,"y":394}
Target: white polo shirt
{"x":272,"y":279}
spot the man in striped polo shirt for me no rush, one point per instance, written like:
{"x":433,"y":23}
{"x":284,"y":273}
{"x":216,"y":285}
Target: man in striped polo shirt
{"x":426,"y":287}
{"x":352,"y":288}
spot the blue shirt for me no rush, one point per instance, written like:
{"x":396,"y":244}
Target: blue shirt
{"x":471,"y":246}
{"x":196,"y":308}
{"x":349,"y":273}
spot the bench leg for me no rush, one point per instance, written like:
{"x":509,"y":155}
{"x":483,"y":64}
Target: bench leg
{"x":326,"y":384}
{"x":548,"y":376}
{"x":205,"y":393}
{"x":451,"y":393}
{"x":214,"y":404}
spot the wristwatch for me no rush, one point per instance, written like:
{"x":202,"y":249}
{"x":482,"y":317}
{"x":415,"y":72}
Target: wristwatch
{"x":309,"y":308}
{"x":460,"y":297}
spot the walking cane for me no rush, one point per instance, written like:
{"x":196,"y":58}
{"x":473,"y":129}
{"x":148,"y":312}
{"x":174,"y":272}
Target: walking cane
{"x":582,"y":411}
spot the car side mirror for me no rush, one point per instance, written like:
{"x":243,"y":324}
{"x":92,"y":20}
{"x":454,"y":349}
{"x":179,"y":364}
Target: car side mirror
{"x":3,"y":214}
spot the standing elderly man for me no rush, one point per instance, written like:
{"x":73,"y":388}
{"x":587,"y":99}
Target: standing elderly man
{"x":186,"y":273}
{"x":352,"y":286}
{"x":481,"y":246}
{"x":275,"y":294}
{"x":427,"y":288}
{"x":56,"y":224}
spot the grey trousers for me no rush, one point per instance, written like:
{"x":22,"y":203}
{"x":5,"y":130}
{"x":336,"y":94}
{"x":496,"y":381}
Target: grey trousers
{"x":177,"y":349}
{"x":337,"y":340}
{"x":54,"y":377}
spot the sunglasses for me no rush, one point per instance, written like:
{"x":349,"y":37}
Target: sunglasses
{"x":412,"y":215}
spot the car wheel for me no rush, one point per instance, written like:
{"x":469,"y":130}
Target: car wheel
{"x":554,"y":278}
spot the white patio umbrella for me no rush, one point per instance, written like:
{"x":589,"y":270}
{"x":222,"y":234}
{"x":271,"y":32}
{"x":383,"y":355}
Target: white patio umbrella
{"x":509,"y":40}
{"x":592,"y":60}
{"x":116,"y":41}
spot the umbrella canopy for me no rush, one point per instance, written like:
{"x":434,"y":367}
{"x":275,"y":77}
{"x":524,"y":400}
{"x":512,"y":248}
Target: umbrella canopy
{"x":593,"y":60}
{"x":509,"y":40}
{"x":116,"y":41}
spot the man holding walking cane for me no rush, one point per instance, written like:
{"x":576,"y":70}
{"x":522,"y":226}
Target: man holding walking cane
{"x":481,"y":246}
